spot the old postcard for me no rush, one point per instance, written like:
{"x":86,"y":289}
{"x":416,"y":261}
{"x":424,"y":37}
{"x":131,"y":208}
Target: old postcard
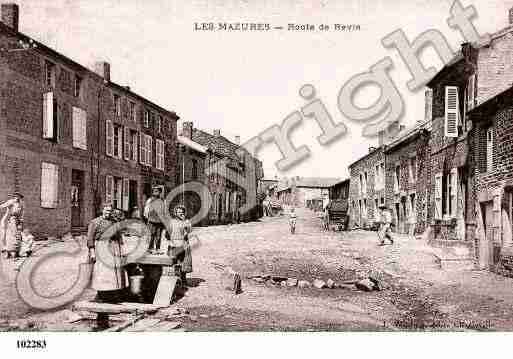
{"x":255,"y":166}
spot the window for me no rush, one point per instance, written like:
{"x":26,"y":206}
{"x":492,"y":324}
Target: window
{"x":452,"y":111}
{"x":117,"y":197}
{"x":131,"y":111}
{"x":78,"y":86}
{"x":118,"y":141}
{"x":361,"y":184}
{"x":489,"y":149}
{"x":109,"y":138}
{"x":145,"y":150}
{"x":117,"y":105}
{"x":194,"y":171}
{"x":146,"y":118}
{"x":376,"y":209}
{"x":159,"y":155}
{"x":159,"y":123}
{"x":134,"y":150}
{"x":50,"y":117}
{"x":382,"y":200}
{"x":153,"y":122}
{"x":364,"y":214}
{"x":365,"y":183}
{"x":79,"y":128}
{"x":397,"y":178}
{"x":49,"y":185}
{"x":413,"y":169}
{"x":438,"y":196}
{"x":452,"y":192}
{"x":50,"y":74}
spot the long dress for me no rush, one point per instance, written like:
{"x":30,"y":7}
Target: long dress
{"x":108,"y":271}
{"x":179,"y":243}
{"x":12,"y":225}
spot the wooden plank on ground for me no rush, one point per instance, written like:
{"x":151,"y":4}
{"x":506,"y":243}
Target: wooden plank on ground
{"x":101,"y":307}
{"x":165,"y":290}
{"x":115,"y":308}
{"x":142,"y":325}
{"x":124,"y":325}
{"x":164,"y":326}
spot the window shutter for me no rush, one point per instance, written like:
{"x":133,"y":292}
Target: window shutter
{"x":135,"y":151}
{"x":451,"y":111}
{"x":126,"y":193}
{"x":149,"y":151}
{"x":119,"y":193}
{"x":79,"y":128}
{"x":127,"y":144}
{"x":48,"y":123}
{"x":142,"y":149}
{"x":438,"y":196}
{"x":83,"y":129}
{"x":49,"y":185}
{"x":109,"y":138}
{"x":454,"y":191}
{"x":109,"y":187}
{"x":163,"y":155}
{"x":120,"y":142}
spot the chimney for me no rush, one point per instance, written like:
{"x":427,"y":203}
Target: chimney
{"x":187,"y":129}
{"x":127,"y":88}
{"x":11,"y":15}
{"x":217,"y":132}
{"x":237,"y":140}
{"x":372,"y":149}
{"x":102,"y":68}
{"x":510,"y":16}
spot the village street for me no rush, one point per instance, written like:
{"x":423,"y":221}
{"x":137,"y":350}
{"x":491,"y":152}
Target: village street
{"x":417,"y":293}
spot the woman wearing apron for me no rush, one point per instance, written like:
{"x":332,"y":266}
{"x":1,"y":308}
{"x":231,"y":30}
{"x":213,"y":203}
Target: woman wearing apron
{"x":11,"y":225}
{"x":178,"y":240}
{"x":104,"y":243}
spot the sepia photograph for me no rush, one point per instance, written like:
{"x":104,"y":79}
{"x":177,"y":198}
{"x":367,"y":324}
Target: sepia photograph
{"x":239,"y":166}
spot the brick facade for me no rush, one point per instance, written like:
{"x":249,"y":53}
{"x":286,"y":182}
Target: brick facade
{"x":362,"y":204}
{"x":23,"y":150}
{"x":408,"y":201}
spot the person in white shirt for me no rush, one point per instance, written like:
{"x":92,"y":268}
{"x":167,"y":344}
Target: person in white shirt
{"x":385,"y":231}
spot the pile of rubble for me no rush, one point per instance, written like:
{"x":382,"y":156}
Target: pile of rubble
{"x":373,"y":281}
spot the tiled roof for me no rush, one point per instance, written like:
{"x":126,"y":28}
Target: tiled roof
{"x":217,"y":144}
{"x":191,"y":144}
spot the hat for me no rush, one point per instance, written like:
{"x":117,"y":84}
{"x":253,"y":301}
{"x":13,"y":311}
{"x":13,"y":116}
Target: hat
{"x":17,"y":194}
{"x":179,"y":206}
{"x":383,"y":206}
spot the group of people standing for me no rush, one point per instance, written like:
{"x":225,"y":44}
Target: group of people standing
{"x":14,"y":239}
{"x":110,"y":279}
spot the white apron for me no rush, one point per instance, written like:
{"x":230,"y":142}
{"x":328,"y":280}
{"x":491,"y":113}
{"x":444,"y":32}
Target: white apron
{"x":108,"y":272}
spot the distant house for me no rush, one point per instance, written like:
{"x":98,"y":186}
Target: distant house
{"x":310,"y":192}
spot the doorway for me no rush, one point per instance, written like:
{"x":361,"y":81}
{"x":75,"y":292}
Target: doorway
{"x":77,"y":186}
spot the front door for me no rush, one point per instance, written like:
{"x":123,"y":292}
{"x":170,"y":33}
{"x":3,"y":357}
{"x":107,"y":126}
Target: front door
{"x":77,"y":179}
{"x":487,"y":247}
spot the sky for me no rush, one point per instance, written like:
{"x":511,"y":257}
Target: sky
{"x":244,"y":82}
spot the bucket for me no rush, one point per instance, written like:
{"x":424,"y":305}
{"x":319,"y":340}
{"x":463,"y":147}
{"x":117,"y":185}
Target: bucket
{"x":136,"y":284}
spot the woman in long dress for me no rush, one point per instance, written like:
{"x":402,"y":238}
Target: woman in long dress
{"x":178,"y":240}
{"x":11,"y":225}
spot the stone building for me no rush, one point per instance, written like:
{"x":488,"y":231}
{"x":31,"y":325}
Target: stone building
{"x":231,"y":175}
{"x":192,"y":159}
{"x":310,"y":192}
{"x":71,"y":138}
{"x":407,"y":179}
{"x":491,"y":164}
{"x":367,"y":188}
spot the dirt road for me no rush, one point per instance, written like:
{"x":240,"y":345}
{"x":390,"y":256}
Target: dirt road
{"x":419,"y":296}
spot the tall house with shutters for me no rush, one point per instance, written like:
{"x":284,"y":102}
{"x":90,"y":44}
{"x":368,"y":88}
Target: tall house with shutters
{"x":70,"y":138}
{"x":476,"y":74}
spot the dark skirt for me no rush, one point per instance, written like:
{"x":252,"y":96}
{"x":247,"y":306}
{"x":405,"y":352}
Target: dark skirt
{"x":183,"y":257}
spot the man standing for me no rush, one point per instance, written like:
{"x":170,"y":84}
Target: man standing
{"x":385,"y":231}
{"x":104,"y":243}
{"x":154,"y":214}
